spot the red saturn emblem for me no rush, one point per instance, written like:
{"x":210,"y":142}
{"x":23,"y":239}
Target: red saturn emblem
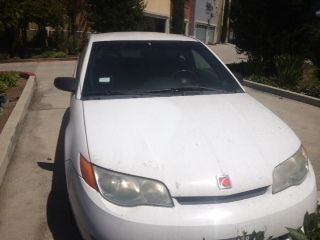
{"x":224,"y":182}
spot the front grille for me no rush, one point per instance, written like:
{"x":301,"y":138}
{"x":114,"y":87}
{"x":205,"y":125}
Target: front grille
{"x":221,"y":199}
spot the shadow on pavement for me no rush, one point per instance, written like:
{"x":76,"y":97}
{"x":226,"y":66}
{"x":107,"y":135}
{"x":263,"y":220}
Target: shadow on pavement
{"x":59,"y":215}
{"x":46,"y":166}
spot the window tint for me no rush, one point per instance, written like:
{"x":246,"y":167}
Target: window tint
{"x":144,"y":66}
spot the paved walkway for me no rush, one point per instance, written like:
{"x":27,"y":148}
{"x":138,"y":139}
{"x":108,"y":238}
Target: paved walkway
{"x":228,"y":53}
{"x":33,"y":200}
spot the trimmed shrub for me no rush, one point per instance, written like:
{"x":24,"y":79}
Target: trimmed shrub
{"x":310,"y":82}
{"x":3,"y":87}
{"x":262,"y":79}
{"x":51,"y":54}
{"x":73,"y":46}
{"x":59,"y":55}
{"x":257,"y":65}
{"x":4,"y":56}
{"x":9,"y":78}
{"x":288,"y":69}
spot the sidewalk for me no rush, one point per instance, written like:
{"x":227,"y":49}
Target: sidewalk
{"x":228,"y":54}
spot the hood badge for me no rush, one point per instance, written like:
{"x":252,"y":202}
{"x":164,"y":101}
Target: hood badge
{"x":224,"y":182}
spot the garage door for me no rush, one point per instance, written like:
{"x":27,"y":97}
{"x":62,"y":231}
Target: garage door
{"x":201,"y":32}
{"x":210,"y":35}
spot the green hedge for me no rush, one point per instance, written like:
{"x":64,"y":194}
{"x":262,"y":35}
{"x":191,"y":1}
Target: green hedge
{"x":290,"y":72}
{"x":51,"y":54}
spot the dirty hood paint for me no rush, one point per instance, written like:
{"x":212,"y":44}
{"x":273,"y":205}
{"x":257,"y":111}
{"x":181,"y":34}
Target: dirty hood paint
{"x":186,"y":141}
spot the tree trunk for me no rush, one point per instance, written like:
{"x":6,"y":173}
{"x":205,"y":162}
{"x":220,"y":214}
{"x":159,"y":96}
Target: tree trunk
{"x":178,"y":16}
{"x":224,"y":33}
{"x":43,"y":38}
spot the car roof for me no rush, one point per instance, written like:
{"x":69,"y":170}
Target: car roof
{"x":138,"y":36}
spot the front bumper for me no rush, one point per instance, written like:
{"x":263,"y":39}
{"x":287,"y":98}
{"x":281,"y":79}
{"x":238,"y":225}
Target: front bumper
{"x":99,"y":219}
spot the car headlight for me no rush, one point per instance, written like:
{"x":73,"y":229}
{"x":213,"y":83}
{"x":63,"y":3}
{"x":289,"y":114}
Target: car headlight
{"x":127,"y":190}
{"x":290,"y":172}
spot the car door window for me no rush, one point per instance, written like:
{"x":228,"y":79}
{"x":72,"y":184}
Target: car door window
{"x":199,"y":61}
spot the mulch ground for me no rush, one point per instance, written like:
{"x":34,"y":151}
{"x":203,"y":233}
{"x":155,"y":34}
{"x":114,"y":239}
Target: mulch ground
{"x":13,"y":96}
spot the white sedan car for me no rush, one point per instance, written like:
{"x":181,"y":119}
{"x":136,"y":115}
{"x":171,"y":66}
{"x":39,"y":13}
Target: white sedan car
{"x":163,"y":142}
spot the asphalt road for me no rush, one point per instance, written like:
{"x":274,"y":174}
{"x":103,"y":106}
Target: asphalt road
{"x":33,"y":200}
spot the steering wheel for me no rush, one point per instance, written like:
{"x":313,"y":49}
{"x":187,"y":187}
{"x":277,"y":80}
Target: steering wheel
{"x":185,"y":76}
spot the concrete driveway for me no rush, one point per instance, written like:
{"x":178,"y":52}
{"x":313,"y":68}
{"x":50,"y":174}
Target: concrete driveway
{"x":33,"y":200}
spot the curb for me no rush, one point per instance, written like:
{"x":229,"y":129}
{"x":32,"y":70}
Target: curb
{"x":283,"y":93}
{"x":38,"y":60}
{"x":10,"y":132}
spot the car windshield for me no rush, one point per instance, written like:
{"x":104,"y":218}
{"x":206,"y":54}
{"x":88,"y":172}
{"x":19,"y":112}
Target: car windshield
{"x":155,"y":67}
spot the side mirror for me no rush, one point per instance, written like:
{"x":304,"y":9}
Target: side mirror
{"x":239,"y":77}
{"x":68,"y":84}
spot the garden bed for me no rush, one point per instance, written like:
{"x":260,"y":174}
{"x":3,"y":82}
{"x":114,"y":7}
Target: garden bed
{"x":13,"y":94}
{"x":308,"y":83}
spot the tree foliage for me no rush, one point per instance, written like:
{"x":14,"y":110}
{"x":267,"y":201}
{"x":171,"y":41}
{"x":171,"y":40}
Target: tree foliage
{"x":15,"y":15}
{"x":268,"y":28}
{"x":10,"y":17}
{"x":177,"y":23}
{"x":115,"y":15}
{"x":9,"y":14}
{"x":73,"y":9}
{"x":43,"y":12}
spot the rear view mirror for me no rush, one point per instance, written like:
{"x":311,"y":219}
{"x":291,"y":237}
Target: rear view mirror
{"x":68,"y":84}
{"x":239,"y":77}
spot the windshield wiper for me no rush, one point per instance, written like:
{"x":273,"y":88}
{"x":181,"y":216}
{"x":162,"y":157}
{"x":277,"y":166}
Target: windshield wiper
{"x":187,"y":89}
{"x":172,"y":91}
{"x":114,"y":93}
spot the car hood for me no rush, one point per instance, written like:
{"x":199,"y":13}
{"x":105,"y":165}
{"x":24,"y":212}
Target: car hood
{"x":187,"y":141}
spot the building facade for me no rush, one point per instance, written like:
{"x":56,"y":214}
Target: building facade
{"x":189,"y":17}
{"x":157,"y":15}
{"x":204,"y":19}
